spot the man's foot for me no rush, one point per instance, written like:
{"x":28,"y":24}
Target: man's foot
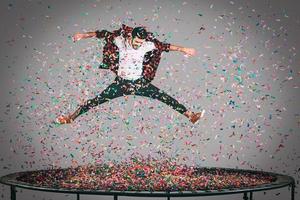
{"x":64,"y":120}
{"x":194,"y":117}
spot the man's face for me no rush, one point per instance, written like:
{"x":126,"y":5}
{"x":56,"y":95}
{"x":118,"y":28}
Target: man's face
{"x":137,"y":42}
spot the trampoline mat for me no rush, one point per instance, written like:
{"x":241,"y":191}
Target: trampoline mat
{"x":145,"y":175}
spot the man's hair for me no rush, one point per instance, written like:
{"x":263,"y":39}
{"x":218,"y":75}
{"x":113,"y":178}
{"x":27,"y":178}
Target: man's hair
{"x":139,"y":32}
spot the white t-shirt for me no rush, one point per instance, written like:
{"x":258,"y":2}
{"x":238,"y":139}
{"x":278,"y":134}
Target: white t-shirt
{"x":130,"y":59}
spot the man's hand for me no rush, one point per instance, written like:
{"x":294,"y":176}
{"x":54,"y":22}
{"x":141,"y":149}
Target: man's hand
{"x":78,"y":36}
{"x":189,"y":51}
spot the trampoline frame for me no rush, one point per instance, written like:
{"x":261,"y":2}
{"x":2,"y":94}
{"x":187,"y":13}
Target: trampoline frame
{"x":281,"y":181}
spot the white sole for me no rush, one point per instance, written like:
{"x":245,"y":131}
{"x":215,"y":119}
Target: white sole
{"x":57,"y":121}
{"x":202,"y":113}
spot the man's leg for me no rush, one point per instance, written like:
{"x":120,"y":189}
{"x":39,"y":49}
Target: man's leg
{"x":114,"y":90}
{"x":153,"y":92}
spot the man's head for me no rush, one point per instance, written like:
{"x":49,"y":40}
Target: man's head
{"x":139,"y":35}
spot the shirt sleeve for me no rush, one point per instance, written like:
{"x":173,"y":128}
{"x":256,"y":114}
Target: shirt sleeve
{"x":161,"y":46}
{"x":126,"y":30}
{"x":102,"y":34}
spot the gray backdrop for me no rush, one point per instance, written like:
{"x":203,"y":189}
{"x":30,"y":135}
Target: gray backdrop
{"x":245,"y":74}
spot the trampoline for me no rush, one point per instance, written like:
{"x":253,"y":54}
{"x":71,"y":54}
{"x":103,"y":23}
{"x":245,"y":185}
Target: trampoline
{"x":219,"y":181}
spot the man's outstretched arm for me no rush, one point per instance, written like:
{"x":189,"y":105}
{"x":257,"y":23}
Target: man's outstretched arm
{"x":98,"y":34}
{"x":79,"y":36}
{"x":165,"y":46}
{"x":188,"y":51}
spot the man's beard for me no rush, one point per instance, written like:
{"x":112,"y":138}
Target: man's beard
{"x":135,"y":46}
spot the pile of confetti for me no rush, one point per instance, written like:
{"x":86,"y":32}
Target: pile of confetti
{"x":140,"y":174}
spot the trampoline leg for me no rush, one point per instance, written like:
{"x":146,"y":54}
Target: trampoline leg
{"x":251,"y":195}
{"x":78,"y":197}
{"x":293,"y":191}
{"x":168,"y":198}
{"x":245,"y":196}
{"x":13,"y":192}
{"x":115,"y":197}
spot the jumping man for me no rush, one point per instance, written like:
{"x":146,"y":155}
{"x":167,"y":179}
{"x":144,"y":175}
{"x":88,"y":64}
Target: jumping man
{"x":133,"y":54}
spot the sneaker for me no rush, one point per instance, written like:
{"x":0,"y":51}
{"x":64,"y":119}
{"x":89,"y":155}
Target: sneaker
{"x":194,"y":117}
{"x":64,"y":120}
